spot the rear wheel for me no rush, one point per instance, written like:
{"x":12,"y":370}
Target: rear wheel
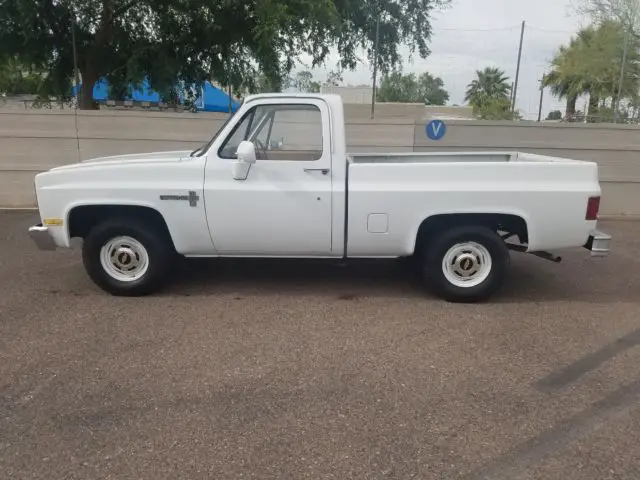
{"x":466,"y":264}
{"x":127,"y":258}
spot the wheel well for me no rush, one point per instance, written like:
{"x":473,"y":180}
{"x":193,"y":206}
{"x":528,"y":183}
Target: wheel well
{"x":83,"y":218}
{"x":495,"y":221}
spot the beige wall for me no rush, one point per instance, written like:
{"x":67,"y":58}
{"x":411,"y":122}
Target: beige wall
{"x":616,"y":149}
{"x":31,"y":142}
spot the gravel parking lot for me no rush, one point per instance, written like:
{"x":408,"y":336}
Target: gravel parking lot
{"x":297,"y":369}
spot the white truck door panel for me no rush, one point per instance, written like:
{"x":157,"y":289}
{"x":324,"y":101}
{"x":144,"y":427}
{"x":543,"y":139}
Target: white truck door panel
{"x":283,"y":207}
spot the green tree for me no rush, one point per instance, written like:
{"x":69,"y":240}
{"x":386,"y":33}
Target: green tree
{"x":192,"y":41}
{"x":489,"y":84}
{"x":591,"y":64}
{"x":489,"y":95}
{"x":564,"y":83}
{"x":334,"y":79}
{"x":431,"y":90}
{"x":626,"y":12}
{"x":17,"y":78}
{"x":303,"y":81}
{"x":396,"y":87}
{"x":493,"y":108}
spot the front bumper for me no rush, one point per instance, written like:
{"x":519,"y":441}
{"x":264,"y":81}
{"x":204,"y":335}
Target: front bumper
{"x":41,"y":237}
{"x":598,"y":243}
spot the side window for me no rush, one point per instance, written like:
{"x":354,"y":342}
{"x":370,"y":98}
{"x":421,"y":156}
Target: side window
{"x":239,"y":133}
{"x":296,"y":133}
{"x":279,"y":132}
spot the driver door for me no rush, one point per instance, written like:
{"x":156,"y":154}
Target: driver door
{"x":283,"y":207}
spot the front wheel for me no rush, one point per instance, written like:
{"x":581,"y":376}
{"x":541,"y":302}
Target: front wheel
{"x":466,"y":264}
{"x":127,"y":258}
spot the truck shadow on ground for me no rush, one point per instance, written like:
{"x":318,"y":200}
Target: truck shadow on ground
{"x":530,"y":280}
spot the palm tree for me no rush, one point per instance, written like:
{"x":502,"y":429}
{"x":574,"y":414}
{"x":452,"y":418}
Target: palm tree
{"x":590,"y":64}
{"x":564,"y":83}
{"x":490,"y":83}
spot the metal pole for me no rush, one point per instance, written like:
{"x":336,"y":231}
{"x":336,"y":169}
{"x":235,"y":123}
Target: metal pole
{"x":515,"y":87}
{"x":375,"y":66}
{"x":229,"y":81}
{"x":541,"y":96}
{"x":75,"y":60}
{"x":624,"y":62}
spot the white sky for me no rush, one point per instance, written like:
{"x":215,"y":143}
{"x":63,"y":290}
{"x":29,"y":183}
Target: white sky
{"x":473,"y":34}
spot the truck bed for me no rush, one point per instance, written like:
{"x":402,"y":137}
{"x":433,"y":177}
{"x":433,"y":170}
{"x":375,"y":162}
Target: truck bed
{"x":400,"y":190}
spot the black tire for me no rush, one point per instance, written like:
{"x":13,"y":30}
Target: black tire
{"x":434,"y":255}
{"x":155,"y":241}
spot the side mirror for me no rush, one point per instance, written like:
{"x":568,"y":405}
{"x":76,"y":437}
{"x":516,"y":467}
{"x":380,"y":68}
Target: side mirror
{"x":246,"y":155}
{"x":246,"y":152}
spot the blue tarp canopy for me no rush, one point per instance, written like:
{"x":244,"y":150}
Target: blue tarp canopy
{"x":211,"y":99}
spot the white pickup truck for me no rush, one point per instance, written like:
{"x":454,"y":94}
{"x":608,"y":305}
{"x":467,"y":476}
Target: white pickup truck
{"x":277,"y":181}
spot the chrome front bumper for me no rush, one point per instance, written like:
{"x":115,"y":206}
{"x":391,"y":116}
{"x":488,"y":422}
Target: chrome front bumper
{"x":41,"y":237}
{"x":598,"y":243}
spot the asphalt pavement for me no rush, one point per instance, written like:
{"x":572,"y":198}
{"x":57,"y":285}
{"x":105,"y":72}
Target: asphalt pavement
{"x":300,"y":369}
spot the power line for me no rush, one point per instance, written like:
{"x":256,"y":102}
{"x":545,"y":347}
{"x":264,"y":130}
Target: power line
{"x":547,"y":30}
{"x":475,"y":29}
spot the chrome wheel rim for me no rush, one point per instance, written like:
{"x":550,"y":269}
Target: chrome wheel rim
{"x":124,"y":259}
{"x":466,"y":264}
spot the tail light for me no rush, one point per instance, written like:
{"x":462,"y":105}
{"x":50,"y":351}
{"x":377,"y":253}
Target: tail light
{"x":593,"y":206}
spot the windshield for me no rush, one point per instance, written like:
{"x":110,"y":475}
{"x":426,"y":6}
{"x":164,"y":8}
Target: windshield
{"x":198,"y":152}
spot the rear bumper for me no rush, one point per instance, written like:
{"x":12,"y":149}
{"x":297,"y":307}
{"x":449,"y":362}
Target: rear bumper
{"x":41,"y":237}
{"x":598,"y":243}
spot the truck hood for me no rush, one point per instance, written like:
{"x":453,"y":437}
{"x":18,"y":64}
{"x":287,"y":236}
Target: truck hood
{"x":152,"y":157}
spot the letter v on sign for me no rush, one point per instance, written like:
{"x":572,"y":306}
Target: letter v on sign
{"x":436,"y":129}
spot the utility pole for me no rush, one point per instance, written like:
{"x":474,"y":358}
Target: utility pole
{"x":375,"y":63}
{"x":511,"y":95}
{"x":515,"y":87}
{"x":541,"y":97}
{"x":228,"y":82}
{"x":75,"y":60}
{"x":621,"y":82}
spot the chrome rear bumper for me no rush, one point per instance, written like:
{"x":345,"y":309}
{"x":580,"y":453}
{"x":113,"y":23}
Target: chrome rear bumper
{"x":598,"y":243}
{"x":41,"y":237}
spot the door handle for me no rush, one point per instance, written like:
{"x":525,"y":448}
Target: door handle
{"x":324,"y":171}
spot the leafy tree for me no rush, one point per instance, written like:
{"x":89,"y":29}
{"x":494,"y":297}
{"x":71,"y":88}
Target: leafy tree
{"x":489,"y":84}
{"x":396,"y":87}
{"x":266,"y":85}
{"x":314,"y":87}
{"x":591,"y":64}
{"x":626,"y":12}
{"x":303,"y":81}
{"x":563,"y":82}
{"x":431,"y":90}
{"x":192,"y":41}
{"x":334,"y":79}
{"x":493,"y":108}
{"x":17,"y":78}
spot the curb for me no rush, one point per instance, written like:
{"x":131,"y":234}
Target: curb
{"x":18,"y":210}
